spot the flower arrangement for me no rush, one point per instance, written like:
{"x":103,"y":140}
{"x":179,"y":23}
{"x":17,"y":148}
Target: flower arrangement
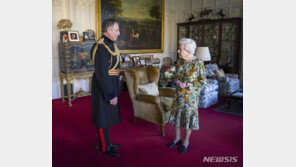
{"x":64,"y":24}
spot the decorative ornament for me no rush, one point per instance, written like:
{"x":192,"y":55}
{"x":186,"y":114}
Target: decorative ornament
{"x":65,"y":24}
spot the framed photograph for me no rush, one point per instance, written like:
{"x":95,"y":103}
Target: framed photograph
{"x":141,"y":24}
{"x":142,"y":62}
{"x":147,"y":58}
{"x":73,"y":36}
{"x":127,"y":57}
{"x":64,"y":36}
{"x":137,"y":60}
{"x":89,"y":36}
{"x":148,"y":62}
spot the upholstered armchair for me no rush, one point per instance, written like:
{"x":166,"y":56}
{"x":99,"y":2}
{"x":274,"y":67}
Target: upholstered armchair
{"x":228,"y":83}
{"x":155,"y":109}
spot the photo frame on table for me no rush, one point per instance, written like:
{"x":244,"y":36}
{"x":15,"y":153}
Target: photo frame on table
{"x":127,"y":57}
{"x":136,"y":60}
{"x":64,"y":36}
{"x":148,"y":62}
{"x":127,"y":60}
{"x":141,"y":28}
{"x":89,"y":35}
{"x":73,"y":36}
{"x":147,"y":59}
{"x":142,"y":62}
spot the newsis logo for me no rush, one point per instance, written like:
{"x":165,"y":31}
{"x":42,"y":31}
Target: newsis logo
{"x":220,"y":159}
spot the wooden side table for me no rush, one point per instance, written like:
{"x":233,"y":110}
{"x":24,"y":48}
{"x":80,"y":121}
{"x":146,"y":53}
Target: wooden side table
{"x":69,"y":78}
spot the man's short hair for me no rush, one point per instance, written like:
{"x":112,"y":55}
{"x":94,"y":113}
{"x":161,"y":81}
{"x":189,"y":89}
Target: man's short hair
{"x":108,"y":23}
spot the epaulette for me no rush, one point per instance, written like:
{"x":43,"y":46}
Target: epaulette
{"x":100,"y":41}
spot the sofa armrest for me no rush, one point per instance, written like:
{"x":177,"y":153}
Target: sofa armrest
{"x":167,"y":92}
{"x":148,"y":98}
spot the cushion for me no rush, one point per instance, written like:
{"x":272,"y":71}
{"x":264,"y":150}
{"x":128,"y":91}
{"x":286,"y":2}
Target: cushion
{"x":149,"y":89}
{"x":210,"y":68}
{"x":220,"y":73}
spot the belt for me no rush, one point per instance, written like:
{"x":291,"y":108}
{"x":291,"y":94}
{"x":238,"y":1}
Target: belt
{"x":114,"y":72}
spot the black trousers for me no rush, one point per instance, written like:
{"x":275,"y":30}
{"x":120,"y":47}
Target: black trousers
{"x":104,"y":141}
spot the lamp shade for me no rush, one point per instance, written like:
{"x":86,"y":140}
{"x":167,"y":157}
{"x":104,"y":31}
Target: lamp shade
{"x":203,"y":53}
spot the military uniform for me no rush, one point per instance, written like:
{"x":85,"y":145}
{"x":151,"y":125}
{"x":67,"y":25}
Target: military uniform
{"x":105,"y":86}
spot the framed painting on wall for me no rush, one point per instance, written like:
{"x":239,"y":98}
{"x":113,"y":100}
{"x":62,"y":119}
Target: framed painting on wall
{"x":141,"y":23}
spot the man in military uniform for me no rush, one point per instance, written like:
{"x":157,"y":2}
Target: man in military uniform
{"x":105,"y":86}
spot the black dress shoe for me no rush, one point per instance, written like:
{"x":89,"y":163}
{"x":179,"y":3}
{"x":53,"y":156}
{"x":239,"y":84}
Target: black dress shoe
{"x":110,"y":151}
{"x":114,"y":145}
{"x":183,"y":149}
{"x":173,"y":144}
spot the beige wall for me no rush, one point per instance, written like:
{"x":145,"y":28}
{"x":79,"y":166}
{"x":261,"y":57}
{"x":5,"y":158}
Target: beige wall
{"x":82,"y":14}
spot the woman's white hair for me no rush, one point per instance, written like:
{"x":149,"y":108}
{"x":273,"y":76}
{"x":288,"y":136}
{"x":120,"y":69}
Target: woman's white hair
{"x":189,"y":44}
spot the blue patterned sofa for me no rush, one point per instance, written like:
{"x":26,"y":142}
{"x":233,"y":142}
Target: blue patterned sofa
{"x":209,"y":94}
{"x":227,"y":84}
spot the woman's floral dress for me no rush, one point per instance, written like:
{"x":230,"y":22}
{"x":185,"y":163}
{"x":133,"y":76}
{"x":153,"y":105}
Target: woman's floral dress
{"x":185,"y":105}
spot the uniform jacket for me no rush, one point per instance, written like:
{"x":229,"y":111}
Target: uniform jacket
{"x":104,"y":87}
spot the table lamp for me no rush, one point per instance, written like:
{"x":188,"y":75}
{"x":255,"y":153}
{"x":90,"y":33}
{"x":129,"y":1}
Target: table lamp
{"x":203,"y":53}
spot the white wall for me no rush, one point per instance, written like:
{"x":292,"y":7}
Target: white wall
{"x":82,"y":14}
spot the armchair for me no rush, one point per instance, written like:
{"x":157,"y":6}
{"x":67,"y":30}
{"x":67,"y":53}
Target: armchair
{"x":155,"y":109}
{"x":228,"y":83}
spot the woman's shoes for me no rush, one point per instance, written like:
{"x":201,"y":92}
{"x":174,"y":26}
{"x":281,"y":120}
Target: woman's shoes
{"x":183,"y":149}
{"x":174,"y":144}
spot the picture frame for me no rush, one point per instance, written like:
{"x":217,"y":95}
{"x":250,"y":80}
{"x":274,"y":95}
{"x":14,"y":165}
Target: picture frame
{"x":148,"y":62}
{"x":141,"y":34}
{"x":64,"y":36}
{"x":136,"y":60}
{"x":73,"y":36}
{"x":89,"y":35}
{"x":142,"y":62}
{"x":127,"y":57}
{"x":127,"y":61}
{"x":147,"y":58}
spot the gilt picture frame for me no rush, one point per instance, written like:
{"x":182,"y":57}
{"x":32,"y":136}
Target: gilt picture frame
{"x":141,"y":24}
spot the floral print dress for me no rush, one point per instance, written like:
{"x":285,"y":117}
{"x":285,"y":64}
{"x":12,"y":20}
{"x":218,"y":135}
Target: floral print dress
{"x":185,"y":104}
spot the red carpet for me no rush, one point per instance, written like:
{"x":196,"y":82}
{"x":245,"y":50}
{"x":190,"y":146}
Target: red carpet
{"x":74,"y":139}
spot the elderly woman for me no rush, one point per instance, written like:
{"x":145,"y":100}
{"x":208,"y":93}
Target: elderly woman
{"x":189,"y":76}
